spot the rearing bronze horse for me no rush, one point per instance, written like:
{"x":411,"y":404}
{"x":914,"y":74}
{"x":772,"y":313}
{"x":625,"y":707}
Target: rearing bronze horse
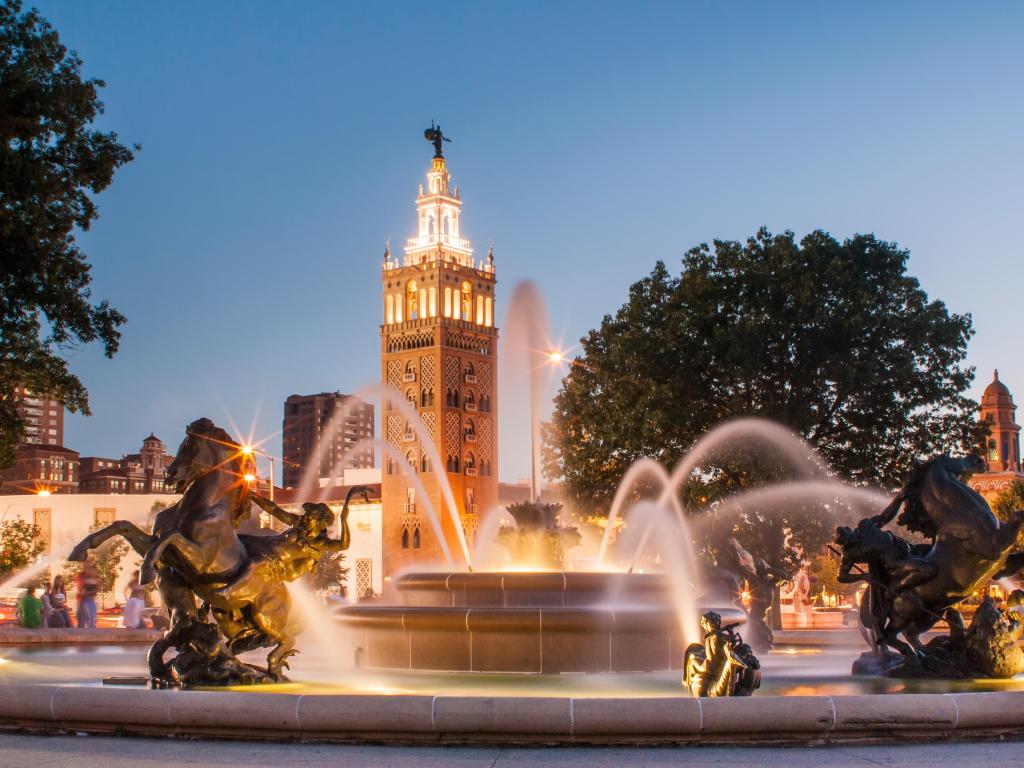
{"x":912,"y":587}
{"x":195,"y":552}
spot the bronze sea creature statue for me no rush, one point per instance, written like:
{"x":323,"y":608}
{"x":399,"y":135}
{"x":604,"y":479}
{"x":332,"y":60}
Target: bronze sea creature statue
{"x":912,"y":586}
{"x":723,"y":665}
{"x":224,"y":590}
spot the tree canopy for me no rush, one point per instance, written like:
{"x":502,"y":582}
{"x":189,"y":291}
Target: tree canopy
{"x":52,"y":163}
{"x":20,"y":545}
{"x":832,"y":339}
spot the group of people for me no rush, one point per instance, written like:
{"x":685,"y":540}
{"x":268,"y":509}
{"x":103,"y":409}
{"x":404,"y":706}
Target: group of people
{"x":50,"y":607}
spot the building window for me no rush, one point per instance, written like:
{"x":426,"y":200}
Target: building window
{"x":425,"y":463}
{"x":412,"y":300}
{"x":364,"y":577}
{"x":405,"y":538}
{"x":488,"y":312}
{"x":389,"y":311}
{"x":479,"y":310}
{"x":467,"y":302}
{"x":432,"y":302}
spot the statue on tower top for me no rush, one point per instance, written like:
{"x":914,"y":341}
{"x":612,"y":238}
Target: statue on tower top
{"x":434,"y":136}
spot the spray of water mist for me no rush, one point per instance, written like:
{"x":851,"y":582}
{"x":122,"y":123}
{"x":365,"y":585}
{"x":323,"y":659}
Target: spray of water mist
{"x":640,"y":469}
{"x":679,"y":565}
{"x":487,"y":552}
{"x":421,"y":494}
{"x":527,"y":345}
{"x":322,"y":641}
{"x":386,"y":393}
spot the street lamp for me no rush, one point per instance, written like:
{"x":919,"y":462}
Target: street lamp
{"x":248,"y":450}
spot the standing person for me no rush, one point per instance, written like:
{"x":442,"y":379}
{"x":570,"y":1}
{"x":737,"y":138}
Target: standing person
{"x":59,"y":603}
{"x":88,"y":587}
{"x":30,"y":610}
{"x":135,"y":604}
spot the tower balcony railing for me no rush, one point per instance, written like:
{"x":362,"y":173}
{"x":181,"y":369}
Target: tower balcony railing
{"x":409,"y":376}
{"x":471,"y":471}
{"x":470,"y":406}
{"x":471,"y":378}
{"x":409,"y":437}
{"x":470,"y":437}
{"x":409,"y":508}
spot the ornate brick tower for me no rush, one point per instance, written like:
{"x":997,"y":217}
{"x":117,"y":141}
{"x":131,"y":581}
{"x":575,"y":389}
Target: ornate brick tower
{"x":439,"y":348}
{"x":1002,"y":451}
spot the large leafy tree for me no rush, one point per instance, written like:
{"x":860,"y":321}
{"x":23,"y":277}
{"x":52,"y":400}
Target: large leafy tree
{"x":1007,"y":503}
{"x":832,"y":339}
{"x":52,"y":163}
{"x":20,"y":546}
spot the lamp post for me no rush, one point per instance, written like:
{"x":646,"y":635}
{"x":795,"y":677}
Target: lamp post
{"x":248,"y":450}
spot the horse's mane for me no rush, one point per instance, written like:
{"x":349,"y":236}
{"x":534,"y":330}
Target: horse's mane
{"x":206,"y":428}
{"x":914,"y":516}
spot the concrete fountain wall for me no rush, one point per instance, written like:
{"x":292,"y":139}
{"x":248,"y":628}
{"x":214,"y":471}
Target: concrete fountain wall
{"x":537,"y":622}
{"x":484,"y":719}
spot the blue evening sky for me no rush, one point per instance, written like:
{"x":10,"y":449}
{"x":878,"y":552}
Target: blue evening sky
{"x":282,"y":143}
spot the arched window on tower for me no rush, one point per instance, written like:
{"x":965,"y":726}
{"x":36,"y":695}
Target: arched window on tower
{"x":389,"y":309}
{"x":470,"y":463}
{"x":432,"y":309}
{"x":426,"y":397}
{"x":485,"y":403}
{"x":488,"y":312}
{"x":430,"y":226}
{"x":469,"y":401}
{"x":467,"y":302}
{"x":399,"y":313}
{"x":423,"y":303}
{"x":451,"y":398}
{"x":425,"y":465}
{"x":470,"y":431}
{"x":479,"y":310}
{"x":405,"y":537}
{"x":410,"y":459}
{"x":447,"y":227}
{"x":410,"y":395}
{"x":416,"y":537}
{"x":447,"y":302}
{"x":412,"y":300}
{"x":456,"y":304}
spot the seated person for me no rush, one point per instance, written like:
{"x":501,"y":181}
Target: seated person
{"x":30,"y":610}
{"x":290,"y":554}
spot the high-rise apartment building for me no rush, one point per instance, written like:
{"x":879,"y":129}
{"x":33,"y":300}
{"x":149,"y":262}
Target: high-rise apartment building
{"x":43,"y":418}
{"x":322,"y":431}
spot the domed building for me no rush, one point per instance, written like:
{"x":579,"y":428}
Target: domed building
{"x":1002,"y":450}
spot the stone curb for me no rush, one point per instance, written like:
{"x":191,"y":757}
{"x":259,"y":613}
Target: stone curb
{"x":490,"y":719}
{"x":75,"y":636}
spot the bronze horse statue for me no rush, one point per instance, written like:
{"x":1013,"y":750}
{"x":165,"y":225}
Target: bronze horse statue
{"x":913,"y":586}
{"x":195,"y":552}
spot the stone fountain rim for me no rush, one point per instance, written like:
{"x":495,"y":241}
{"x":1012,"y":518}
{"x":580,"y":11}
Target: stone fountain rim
{"x":369,"y":718}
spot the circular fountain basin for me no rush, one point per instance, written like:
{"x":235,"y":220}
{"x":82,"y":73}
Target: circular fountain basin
{"x":527,"y":622}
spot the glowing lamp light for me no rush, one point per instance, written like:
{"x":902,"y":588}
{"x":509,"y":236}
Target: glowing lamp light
{"x":555,"y":356}
{"x":246,"y":450}
{"x":42,"y":492}
{"x":250,"y":478}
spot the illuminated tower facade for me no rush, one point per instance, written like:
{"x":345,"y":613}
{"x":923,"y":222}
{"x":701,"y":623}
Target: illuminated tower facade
{"x":1002,"y":447}
{"x":439,"y":349}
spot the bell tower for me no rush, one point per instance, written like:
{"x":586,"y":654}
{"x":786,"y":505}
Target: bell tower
{"x":439,"y":348}
{"x":1002,"y":446}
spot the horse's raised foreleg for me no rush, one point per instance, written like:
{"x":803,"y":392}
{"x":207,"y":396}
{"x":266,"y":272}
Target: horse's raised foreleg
{"x":139,"y":540}
{"x":191,"y":553}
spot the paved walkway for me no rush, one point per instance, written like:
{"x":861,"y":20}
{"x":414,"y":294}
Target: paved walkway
{"x":23,"y":751}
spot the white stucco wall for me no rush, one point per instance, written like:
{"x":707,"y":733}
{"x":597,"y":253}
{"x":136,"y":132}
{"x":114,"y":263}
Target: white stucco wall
{"x":67,"y":519}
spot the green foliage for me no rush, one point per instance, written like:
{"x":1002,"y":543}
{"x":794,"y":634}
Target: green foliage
{"x":832,"y":339}
{"x":823,"y":571}
{"x":106,"y":559}
{"x":330,"y":572}
{"x":51,"y":164}
{"x":20,"y":546}
{"x":1008,"y":502}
